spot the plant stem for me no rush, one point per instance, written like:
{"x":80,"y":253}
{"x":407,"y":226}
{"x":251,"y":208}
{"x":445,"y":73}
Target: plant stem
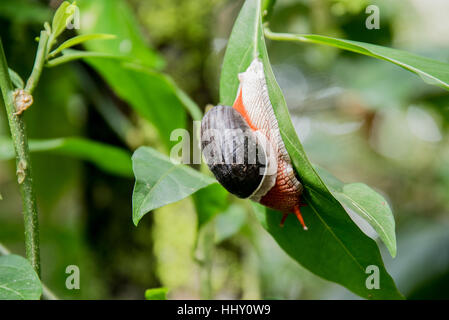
{"x":47,"y":294}
{"x":39,"y":62}
{"x":23,"y":163}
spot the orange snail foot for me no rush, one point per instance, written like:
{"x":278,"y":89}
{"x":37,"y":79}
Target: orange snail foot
{"x":298,"y":214}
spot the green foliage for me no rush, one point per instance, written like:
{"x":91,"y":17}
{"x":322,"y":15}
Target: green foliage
{"x":115,"y":17}
{"x":108,"y":158}
{"x":64,"y":12}
{"x":80,"y":39}
{"x":24,"y":11}
{"x":18,"y":280}
{"x":149,"y":92}
{"x":346,"y":253}
{"x":431,"y":71}
{"x":367,"y":203}
{"x":156,"y":294}
{"x":69,"y":55}
{"x":337,"y":255}
{"x":152,"y":94}
{"x":159,"y":181}
{"x":334,"y":248}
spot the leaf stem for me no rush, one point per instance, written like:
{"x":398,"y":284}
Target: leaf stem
{"x":296,"y":37}
{"x":23,"y":164}
{"x":41,"y":56}
{"x":282,"y":36}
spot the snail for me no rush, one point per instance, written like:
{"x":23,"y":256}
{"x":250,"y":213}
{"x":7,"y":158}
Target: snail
{"x":243,"y":148}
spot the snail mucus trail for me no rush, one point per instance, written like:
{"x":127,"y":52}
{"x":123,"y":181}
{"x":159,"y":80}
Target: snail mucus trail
{"x":244,"y":149}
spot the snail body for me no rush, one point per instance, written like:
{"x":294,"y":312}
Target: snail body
{"x":244,"y":149}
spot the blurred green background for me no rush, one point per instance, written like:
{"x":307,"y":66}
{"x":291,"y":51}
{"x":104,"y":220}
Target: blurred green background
{"x":362,"y":119}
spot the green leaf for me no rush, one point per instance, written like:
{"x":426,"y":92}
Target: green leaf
{"x":116,"y":17}
{"x":229,"y":222}
{"x":182,"y":99}
{"x":334,"y":247}
{"x":69,"y":55}
{"x":160,"y":182}
{"x":152,"y":94}
{"x":209,"y":202}
{"x":18,"y":280}
{"x":431,"y":71}
{"x":108,"y":158}
{"x":156,"y":294}
{"x":80,"y":39}
{"x":62,"y":15}
{"x":367,"y":203}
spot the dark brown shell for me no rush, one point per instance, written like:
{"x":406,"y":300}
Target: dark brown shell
{"x":231,"y":151}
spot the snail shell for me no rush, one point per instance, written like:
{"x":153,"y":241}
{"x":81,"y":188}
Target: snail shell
{"x":265,"y":176}
{"x":235,"y":153}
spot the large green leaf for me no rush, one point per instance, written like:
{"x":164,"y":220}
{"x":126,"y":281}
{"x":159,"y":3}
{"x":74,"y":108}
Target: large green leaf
{"x":334,"y":247}
{"x":367,"y":203}
{"x":431,"y":71}
{"x":115,"y":17}
{"x":106,"y":157}
{"x":152,"y":94}
{"x":18,"y":280}
{"x":160,"y":182}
